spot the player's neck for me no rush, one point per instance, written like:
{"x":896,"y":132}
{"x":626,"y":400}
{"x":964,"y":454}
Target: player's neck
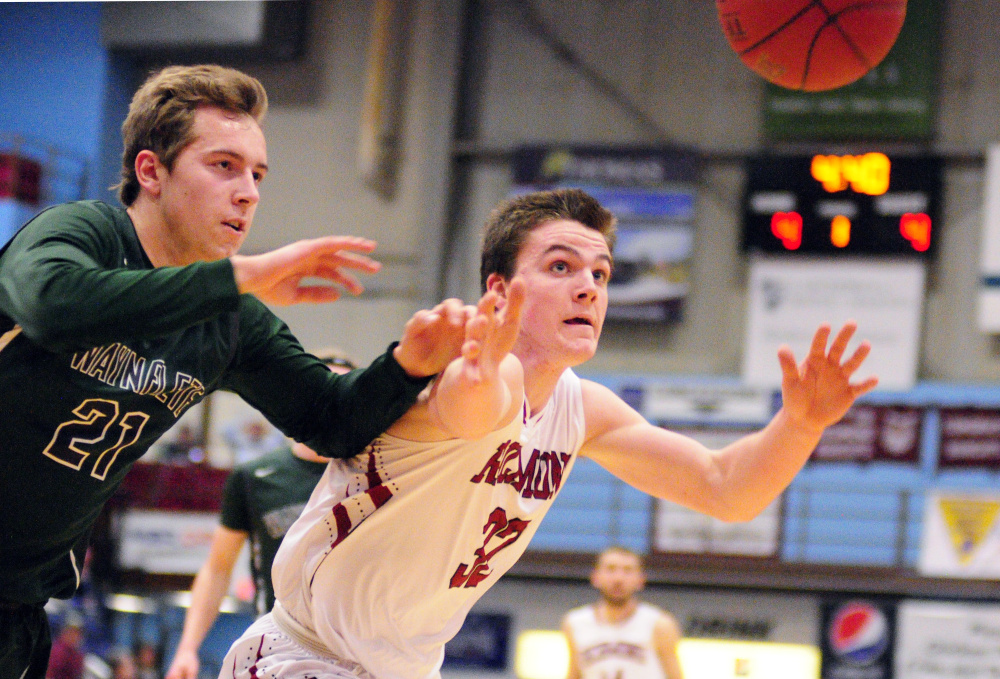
{"x":150,"y":228}
{"x":540,"y":379}
{"x":613,"y":613}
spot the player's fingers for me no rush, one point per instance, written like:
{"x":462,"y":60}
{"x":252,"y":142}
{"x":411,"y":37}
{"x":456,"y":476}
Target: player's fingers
{"x":335,"y":243}
{"x":789,"y":367}
{"x":332,"y":251}
{"x":865,"y":386}
{"x":515,"y":301}
{"x":334,"y":275}
{"x":465,"y":314}
{"x":857,"y":358}
{"x":477,"y":327}
{"x":348,"y":261}
{"x":423,"y":319}
{"x":487,"y":307}
{"x":315,"y":294}
{"x":452,"y":312}
{"x":471,"y":349}
{"x":817,"y":350}
{"x":839,"y":344}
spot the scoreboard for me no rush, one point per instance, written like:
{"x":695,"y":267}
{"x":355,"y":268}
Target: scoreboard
{"x":842,"y":204}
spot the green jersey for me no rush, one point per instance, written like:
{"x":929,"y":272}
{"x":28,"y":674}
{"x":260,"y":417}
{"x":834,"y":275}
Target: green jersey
{"x":100,"y":353}
{"x":263,"y":498}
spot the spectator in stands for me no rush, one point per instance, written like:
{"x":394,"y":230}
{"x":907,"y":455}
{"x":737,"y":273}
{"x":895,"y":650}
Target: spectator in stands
{"x":147,"y":661}
{"x":123,"y":665}
{"x":251,"y":438}
{"x":66,"y":659}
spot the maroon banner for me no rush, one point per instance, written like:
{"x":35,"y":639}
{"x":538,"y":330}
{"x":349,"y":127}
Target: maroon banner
{"x":869,"y":433}
{"x":172,"y":487}
{"x":970,"y":437}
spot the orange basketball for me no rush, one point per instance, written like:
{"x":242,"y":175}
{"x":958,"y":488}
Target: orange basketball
{"x":811,"y":45}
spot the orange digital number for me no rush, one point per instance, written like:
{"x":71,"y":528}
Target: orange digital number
{"x":868,"y":174}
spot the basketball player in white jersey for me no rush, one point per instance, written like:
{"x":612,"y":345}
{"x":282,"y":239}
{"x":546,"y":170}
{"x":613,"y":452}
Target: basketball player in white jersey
{"x":397,"y":543}
{"x":621,"y":637}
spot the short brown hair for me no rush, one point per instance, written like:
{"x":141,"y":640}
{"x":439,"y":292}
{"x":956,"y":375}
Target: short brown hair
{"x":161,"y":115}
{"x":510,"y":223}
{"x":619,"y":549}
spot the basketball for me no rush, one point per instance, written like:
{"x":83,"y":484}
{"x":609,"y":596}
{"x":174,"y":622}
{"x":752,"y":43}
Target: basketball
{"x":811,"y":45}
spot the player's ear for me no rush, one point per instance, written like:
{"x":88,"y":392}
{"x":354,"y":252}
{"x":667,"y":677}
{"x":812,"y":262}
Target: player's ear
{"x":498,"y":284}
{"x":149,"y":171}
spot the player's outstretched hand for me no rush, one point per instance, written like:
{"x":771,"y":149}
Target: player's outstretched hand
{"x":276,"y":277}
{"x":490,"y":334}
{"x":433,"y":338}
{"x":818,"y":392}
{"x":184,"y":666}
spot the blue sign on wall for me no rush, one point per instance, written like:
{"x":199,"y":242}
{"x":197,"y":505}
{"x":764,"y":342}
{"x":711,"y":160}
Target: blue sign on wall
{"x":482,"y":643}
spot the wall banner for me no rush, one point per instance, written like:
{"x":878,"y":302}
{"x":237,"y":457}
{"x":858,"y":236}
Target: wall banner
{"x":652,"y":193}
{"x":788,"y":300}
{"x":946,"y":640}
{"x":870,"y":433}
{"x":857,"y":638}
{"x":970,"y":437}
{"x":895,"y":100}
{"x":165,"y":541}
{"x":961,"y":536}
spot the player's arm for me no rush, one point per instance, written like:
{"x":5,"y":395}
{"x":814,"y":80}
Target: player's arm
{"x":666,"y":635}
{"x":62,"y":279}
{"x":338,"y":415}
{"x":210,"y":586}
{"x":475,"y":393}
{"x":573,"y":672}
{"x":737,"y":482}
{"x":65,"y":281}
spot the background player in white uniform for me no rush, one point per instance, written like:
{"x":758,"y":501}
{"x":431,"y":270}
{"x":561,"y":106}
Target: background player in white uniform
{"x":397,"y":543}
{"x":621,"y":637}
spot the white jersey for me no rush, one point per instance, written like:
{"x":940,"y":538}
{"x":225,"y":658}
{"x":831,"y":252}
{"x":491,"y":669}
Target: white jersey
{"x":396,"y":544}
{"x":616,"y":650}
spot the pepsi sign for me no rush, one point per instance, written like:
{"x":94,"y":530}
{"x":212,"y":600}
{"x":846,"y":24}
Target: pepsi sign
{"x":858,"y":638}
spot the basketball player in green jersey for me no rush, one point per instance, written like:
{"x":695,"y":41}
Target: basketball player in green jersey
{"x":114,"y":321}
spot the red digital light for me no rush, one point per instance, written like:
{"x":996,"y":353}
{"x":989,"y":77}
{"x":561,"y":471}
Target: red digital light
{"x":916,"y":228}
{"x":787,"y":227}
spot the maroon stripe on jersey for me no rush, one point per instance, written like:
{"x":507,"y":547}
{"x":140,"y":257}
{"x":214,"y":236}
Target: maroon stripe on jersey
{"x":343,"y":523}
{"x":253,"y":668}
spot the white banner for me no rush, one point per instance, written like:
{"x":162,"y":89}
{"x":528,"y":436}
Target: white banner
{"x":789,"y":299}
{"x":961,"y":536}
{"x":707,"y":404}
{"x":938,"y":640}
{"x":988,"y":309}
{"x":678,"y":529}
{"x":165,"y":542}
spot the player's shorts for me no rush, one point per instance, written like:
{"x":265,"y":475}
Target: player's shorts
{"x":266,"y":652}
{"x":25,"y":641}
